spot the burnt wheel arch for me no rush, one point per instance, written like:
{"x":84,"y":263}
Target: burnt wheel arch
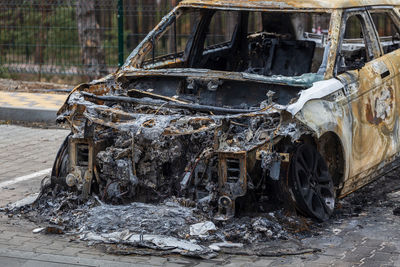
{"x":331,"y":149}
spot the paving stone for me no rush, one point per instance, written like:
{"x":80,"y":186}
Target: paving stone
{"x":381,"y":256}
{"x":156,"y":261}
{"x":18,"y":240}
{"x":30,"y":246}
{"x":25,"y":234}
{"x":11,"y":262}
{"x":81,"y":245}
{"x":35,"y":263}
{"x":263,"y":262}
{"x":372,"y":263}
{"x":389,"y":248}
{"x":358,"y":253}
{"x":178,"y":260}
{"x":341,"y":264}
{"x":59,"y":244}
{"x":5,"y":236}
{"x":60,"y":259}
{"x":69,"y":251}
{"x":134,"y":258}
{"x":204,"y":264}
{"x":323,"y":259}
{"x":47,"y":249}
{"x":281,"y":261}
{"x":239,"y":264}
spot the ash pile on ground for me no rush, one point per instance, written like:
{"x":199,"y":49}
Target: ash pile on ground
{"x":176,"y":226}
{"x":166,"y":228}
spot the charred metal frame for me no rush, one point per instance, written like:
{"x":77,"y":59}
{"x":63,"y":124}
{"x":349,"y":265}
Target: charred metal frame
{"x":232,"y":180}
{"x":82,"y":162}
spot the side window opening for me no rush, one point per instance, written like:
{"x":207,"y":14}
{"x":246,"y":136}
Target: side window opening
{"x":388,"y":31}
{"x":172,"y":43}
{"x":219,"y":39}
{"x":221,"y":29}
{"x":356,"y":49}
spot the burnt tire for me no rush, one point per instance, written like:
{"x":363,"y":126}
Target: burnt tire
{"x":61,"y":164}
{"x":311,"y":183}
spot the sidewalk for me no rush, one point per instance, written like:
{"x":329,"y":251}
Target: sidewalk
{"x":25,"y":151}
{"x":30,"y":107}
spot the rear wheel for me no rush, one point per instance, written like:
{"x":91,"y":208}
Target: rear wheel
{"x":311,"y":183}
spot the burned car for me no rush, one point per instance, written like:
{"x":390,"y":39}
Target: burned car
{"x":232,"y":105}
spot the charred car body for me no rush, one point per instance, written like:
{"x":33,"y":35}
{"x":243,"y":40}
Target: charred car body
{"x":295,"y":101}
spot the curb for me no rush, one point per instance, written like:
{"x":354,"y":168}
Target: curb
{"x":28,"y":114}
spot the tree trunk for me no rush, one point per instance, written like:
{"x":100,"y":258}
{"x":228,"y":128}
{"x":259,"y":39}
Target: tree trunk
{"x":132,"y":22}
{"x":93,"y":57}
{"x":171,"y":34}
{"x":43,"y":9}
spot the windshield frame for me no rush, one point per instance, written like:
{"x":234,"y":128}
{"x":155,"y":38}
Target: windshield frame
{"x":137,"y":56}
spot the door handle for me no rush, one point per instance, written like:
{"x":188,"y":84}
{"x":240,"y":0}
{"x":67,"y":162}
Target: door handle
{"x":385,"y":74}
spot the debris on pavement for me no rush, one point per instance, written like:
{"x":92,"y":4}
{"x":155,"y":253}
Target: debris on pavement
{"x":171,"y":244}
{"x":54,"y":230}
{"x":202,"y":229}
{"x":38,"y":230}
{"x":169,"y":226}
{"x":226,"y":245}
{"x":29,"y":200}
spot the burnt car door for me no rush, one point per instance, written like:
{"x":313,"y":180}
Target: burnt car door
{"x":387,"y":25}
{"x":368,"y":79}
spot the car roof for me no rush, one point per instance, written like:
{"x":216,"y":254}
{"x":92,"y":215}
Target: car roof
{"x":287,"y":4}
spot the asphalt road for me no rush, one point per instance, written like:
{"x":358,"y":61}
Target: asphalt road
{"x":363,"y":233}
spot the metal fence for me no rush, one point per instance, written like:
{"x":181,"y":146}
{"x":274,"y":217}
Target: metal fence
{"x":84,"y":37}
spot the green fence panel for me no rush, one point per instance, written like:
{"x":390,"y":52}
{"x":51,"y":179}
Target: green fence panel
{"x":39,"y":36}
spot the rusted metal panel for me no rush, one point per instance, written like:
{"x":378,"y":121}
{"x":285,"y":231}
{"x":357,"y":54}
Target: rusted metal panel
{"x":334,"y":35}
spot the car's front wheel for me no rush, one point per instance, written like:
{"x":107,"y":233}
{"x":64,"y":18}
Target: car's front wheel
{"x":310,"y":183}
